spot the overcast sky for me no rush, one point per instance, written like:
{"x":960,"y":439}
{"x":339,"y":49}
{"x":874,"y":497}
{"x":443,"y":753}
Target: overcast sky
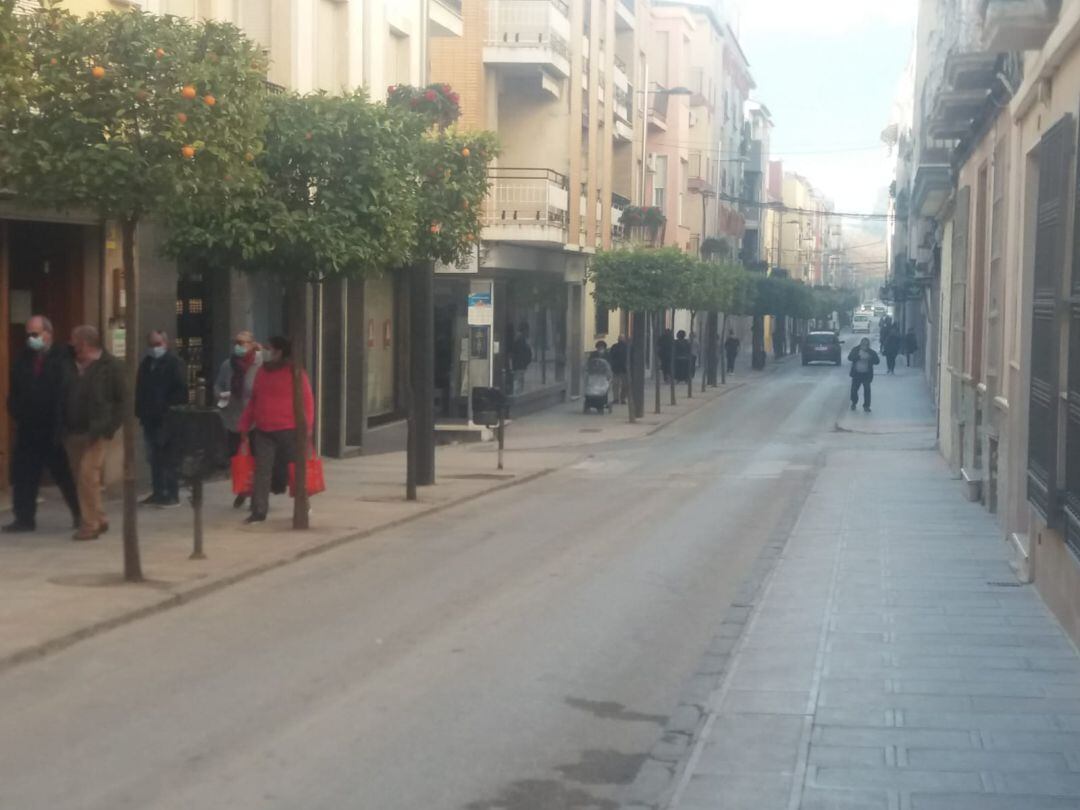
{"x":828,"y":71}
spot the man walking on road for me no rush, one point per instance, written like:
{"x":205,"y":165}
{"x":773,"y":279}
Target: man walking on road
{"x":93,"y":412}
{"x":911,"y":344}
{"x":863,"y":359}
{"x":36,"y":403}
{"x":618,"y":359}
{"x":731,"y":350}
{"x":890,"y":347}
{"x":160,"y":385}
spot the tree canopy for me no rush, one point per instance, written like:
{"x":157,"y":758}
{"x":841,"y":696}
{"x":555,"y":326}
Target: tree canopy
{"x":640,"y":279}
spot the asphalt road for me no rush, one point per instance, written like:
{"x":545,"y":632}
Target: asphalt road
{"x":519,"y":652}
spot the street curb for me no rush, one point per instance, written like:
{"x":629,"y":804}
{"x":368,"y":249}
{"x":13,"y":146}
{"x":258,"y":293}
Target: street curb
{"x":664,"y":768}
{"x":727,"y":389}
{"x":175,"y":600}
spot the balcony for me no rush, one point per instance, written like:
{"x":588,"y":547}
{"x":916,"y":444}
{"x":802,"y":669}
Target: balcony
{"x":526,"y":205}
{"x":933,"y":182}
{"x":755,"y":159}
{"x":625,"y":16}
{"x":528,"y":33}
{"x":697,"y":174}
{"x":618,"y":205}
{"x":444,"y":17}
{"x":1018,"y":25}
{"x":658,"y":108}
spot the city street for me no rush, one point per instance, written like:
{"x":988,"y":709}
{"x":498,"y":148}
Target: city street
{"x":521,"y":651}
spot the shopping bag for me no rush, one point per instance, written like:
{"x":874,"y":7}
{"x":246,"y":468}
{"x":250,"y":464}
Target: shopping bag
{"x":316,"y":483}
{"x":243,"y":470}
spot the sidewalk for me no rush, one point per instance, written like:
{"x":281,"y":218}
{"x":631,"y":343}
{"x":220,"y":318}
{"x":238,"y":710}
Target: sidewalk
{"x":890,"y":660}
{"x":54,"y":592}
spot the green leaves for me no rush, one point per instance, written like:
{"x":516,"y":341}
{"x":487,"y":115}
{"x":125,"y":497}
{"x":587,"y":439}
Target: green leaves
{"x":94,"y":115}
{"x":641,"y":279}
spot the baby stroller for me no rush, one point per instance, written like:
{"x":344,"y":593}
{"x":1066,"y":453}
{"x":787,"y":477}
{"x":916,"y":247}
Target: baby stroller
{"x":597,"y":384}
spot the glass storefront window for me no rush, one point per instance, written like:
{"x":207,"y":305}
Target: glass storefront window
{"x":534,"y":334}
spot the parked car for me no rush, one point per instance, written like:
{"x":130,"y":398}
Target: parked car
{"x":860,"y":323}
{"x":880,"y":311}
{"x":821,"y":347}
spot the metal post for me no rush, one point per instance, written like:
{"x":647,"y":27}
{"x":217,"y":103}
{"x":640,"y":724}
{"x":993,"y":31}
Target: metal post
{"x":196,"y":507}
{"x":502,"y":427}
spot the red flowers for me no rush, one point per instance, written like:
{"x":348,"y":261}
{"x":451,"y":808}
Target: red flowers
{"x":431,"y":95}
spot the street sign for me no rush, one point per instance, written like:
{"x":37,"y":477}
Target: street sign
{"x":480,"y":309}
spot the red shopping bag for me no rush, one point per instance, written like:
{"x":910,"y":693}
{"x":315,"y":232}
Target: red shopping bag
{"x":243,"y":470}
{"x":316,"y":483}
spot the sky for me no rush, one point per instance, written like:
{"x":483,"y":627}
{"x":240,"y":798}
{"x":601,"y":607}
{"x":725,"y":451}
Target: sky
{"x":828,"y":71}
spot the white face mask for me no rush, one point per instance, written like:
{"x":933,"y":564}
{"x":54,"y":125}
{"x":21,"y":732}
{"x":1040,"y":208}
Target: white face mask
{"x":239,"y":350}
{"x":157,"y":352}
{"x":35,"y":343}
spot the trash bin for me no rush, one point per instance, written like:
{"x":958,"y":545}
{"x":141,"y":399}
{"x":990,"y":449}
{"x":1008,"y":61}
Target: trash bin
{"x":200,"y":448}
{"x":491,"y":407}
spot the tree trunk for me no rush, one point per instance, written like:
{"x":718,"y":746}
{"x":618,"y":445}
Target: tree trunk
{"x":422,"y":369}
{"x":690,"y":363}
{"x":132,"y":562}
{"x":298,"y":328}
{"x":407,"y":387}
{"x":657,"y":373}
{"x":638,"y":345}
{"x":757,"y":342}
{"x":672,"y":358}
{"x":723,"y":351}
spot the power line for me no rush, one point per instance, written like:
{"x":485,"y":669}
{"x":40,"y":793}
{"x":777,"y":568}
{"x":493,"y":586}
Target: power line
{"x":806,"y":211}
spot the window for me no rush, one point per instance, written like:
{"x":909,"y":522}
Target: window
{"x":602,"y":320}
{"x":660,"y":183}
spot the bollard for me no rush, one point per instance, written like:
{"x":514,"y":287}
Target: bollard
{"x":196,"y":506}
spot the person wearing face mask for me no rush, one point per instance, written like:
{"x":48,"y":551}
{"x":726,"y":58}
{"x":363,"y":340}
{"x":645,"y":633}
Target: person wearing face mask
{"x":862,"y":359}
{"x":269,"y":413}
{"x":159,"y":385}
{"x":35,"y":402}
{"x":232,"y":389}
{"x":94,"y":402}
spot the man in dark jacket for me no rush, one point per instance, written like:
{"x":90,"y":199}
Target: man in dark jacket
{"x":619,"y":360}
{"x":93,"y":412}
{"x":36,"y":402}
{"x":891,"y":347}
{"x":863,"y":359}
{"x":159,"y":385}
{"x":731,"y":350}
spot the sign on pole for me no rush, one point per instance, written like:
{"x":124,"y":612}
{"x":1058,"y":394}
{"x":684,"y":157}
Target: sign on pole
{"x":481,"y":312}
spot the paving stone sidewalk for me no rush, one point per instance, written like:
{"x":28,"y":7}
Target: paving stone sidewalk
{"x":891,"y":660}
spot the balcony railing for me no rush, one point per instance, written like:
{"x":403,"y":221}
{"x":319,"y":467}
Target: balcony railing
{"x":697,"y":173}
{"x":529,"y":32}
{"x":526,"y":204}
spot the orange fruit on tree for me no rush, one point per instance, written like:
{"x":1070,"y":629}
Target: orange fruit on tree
{"x":465,"y":152}
{"x":209,"y":100}
{"x":187,"y":152}
{"x":249,"y":156}
{"x":436,"y":227}
{"x":98,"y":72}
{"x":141,"y":95}
{"x":181,"y":117}
{"x":188,"y":91}
{"x":159,"y":53}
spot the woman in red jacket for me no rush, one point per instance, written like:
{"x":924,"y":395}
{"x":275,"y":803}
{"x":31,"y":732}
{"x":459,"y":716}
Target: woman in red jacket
{"x":269,"y":415}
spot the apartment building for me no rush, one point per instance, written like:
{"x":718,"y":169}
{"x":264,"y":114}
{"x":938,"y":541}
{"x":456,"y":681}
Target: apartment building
{"x":561,"y":84}
{"x":996,"y":94}
{"x":755,"y":183}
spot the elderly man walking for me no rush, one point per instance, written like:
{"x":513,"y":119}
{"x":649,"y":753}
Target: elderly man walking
{"x":93,"y":412}
{"x":36,"y":403}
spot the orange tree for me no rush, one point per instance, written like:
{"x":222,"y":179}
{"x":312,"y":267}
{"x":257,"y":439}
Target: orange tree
{"x":451,"y":170}
{"x":131,"y":116}
{"x":337,"y":198}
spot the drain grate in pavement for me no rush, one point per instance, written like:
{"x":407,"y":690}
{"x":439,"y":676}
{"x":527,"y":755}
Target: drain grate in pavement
{"x":1006,"y":584}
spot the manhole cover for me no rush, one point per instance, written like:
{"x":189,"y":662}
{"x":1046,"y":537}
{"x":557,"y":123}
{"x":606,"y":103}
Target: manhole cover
{"x":481,"y":476}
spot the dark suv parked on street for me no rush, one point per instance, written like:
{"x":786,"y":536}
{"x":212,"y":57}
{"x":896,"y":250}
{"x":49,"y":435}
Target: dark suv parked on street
{"x":821,"y":347}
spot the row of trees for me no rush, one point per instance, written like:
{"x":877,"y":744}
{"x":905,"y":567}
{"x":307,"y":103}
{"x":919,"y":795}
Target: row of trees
{"x":647,"y":282}
{"x":138,"y":117}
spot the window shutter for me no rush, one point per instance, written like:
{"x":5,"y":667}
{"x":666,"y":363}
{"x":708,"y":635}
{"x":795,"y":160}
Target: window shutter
{"x":958,"y":282}
{"x":1072,"y":418}
{"x":1055,"y":156}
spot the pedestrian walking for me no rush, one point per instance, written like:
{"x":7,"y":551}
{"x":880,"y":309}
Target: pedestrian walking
{"x":891,"y":348}
{"x":731,"y":350}
{"x":911,"y":344}
{"x":521,"y":357}
{"x":159,"y":385}
{"x":36,"y":405}
{"x":863,"y":359}
{"x":664,"y":345}
{"x":269,"y":413}
{"x":682,"y":357}
{"x":619,"y":360}
{"x":232,"y":389}
{"x":695,"y":353}
{"x":93,"y":412}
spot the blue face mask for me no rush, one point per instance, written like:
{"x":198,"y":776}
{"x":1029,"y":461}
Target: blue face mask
{"x":239,"y":350}
{"x":157,"y":352}
{"x":35,"y":343}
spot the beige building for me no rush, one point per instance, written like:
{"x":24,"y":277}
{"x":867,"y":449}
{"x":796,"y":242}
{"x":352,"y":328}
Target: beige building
{"x":559,"y":83}
{"x":1002,"y":105}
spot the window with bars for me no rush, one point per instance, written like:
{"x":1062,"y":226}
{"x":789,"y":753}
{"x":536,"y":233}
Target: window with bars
{"x":1055,"y":161}
{"x":957,"y":320}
